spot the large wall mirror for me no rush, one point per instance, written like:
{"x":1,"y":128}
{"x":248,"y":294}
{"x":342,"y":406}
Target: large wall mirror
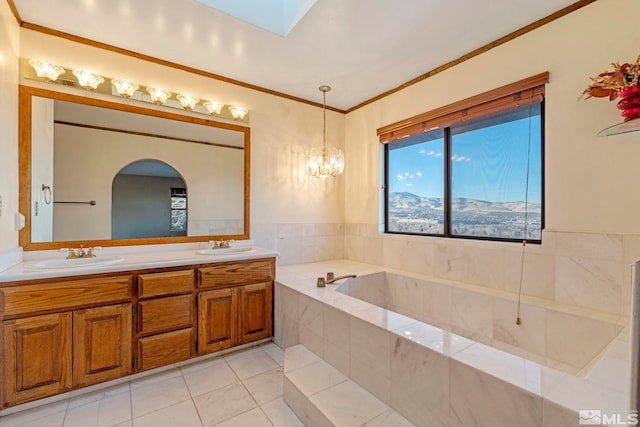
{"x":96,"y":172}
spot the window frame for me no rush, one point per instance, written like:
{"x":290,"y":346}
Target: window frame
{"x":171,"y":209}
{"x":524,"y":92}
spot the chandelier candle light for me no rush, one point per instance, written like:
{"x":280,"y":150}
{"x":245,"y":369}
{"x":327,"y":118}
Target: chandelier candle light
{"x":326,"y":161}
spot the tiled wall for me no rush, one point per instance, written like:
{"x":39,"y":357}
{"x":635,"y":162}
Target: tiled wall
{"x":301,"y":243}
{"x":586,"y":270}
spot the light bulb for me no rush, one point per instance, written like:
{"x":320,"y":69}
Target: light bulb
{"x":188,"y":102}
{"x":125,"y":88}
{"x":213,"y":107}
{"x":158,"y":95}
{"x":46,"y":69}
{"x":238,"y":113}
{"x":87,"y":79}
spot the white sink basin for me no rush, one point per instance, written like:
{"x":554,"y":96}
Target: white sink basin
{"x":227,"y":251}
{"x":74,"y":262}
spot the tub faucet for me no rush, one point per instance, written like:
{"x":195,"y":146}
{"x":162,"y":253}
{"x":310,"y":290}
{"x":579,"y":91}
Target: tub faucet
{"x":332,"y":279}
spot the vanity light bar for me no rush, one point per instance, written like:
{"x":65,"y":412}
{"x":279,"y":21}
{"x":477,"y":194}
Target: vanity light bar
{"x":45,"y":71}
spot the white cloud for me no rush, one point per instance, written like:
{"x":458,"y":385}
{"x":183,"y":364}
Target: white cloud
{"x":400,"y":178}
{"x":455,"y":158}
{"x":418,"y":173}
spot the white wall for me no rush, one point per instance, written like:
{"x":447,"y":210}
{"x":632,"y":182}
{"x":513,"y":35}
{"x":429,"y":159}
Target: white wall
{"x":9,"y":47}
{"x":592,"y":211}
{"x":298,"y":215}
{"x":590,"y":181}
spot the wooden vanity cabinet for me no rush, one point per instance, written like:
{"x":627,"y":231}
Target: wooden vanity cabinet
{"x":239,"y":307}
{"x":65,"y":333}
{"x":165,"y":318}
{"x":53,"y":342}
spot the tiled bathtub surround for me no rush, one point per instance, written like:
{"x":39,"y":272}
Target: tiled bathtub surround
{"x":431,"y":376}
{"x":301,"y":242}
{"x":587,"y":270}
{"x":550,"y":334}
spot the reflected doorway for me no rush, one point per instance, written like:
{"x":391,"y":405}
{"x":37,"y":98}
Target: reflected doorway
{"x":149,"y":199}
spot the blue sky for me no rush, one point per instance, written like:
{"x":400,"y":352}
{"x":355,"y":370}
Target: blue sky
{"x":488,"y":164}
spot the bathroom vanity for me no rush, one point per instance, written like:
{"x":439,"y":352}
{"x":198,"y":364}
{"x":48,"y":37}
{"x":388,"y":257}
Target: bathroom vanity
{"x":75,"y":329}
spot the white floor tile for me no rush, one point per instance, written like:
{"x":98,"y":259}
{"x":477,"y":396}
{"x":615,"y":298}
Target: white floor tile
{"x":94,"y":396}
{"x":54,"y":420}
{"x":212,"y":377}
{"x":114,"y":410}
{"x":155,"y":396}
{"x":81,"y":416}
{"x":40,"y":412}
{"x":280,"y":414}
{"x":252,"y":418}
{"x":156,"y":378}
{"x":223,"y":404}
{"x":390,"y":418}
{"x":265,"y":387}
{"x":275,"y":352}
{"x":254,"y":363}
{"x":183,"y":414}
{"x":199,"y":365}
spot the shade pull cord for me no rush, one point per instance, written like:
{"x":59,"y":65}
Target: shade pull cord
{"x":526,"y":217}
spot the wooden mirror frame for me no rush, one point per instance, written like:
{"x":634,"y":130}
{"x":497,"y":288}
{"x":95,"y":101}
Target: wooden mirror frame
{"x":24,"y":163}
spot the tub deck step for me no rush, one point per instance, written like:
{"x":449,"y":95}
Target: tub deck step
{"x":320,"y":395}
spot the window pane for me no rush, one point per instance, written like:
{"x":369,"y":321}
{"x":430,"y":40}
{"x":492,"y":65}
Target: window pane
{"x":416,"y":184}
{"x":178,"y":202}
{"x":178,"y":220}
{"x":489,"y":175}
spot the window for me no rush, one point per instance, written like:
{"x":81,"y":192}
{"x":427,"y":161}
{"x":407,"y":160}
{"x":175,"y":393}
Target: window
{"x":477,"y":178}
{"x":178,"y":209}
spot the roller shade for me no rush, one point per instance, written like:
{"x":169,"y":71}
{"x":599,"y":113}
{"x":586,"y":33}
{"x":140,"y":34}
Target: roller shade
{"x":515,"y":95}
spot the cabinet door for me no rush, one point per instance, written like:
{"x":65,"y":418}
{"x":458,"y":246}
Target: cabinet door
{"x":102,"y":344}
{"x":255,"y":313}
{"x":217,"y":320}
{"x":37,"y":357}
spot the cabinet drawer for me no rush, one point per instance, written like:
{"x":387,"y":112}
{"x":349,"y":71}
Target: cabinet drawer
{"x":169,"y":283}
{"x":164,"y":349}
{"x":64,"y":295}
{"x":164,"y":314}
{"x":236,"y":273}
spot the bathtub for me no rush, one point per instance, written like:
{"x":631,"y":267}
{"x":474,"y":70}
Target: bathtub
{"x":448,"y":354}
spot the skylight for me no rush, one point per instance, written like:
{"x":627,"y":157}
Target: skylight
{"x":277,"y":16}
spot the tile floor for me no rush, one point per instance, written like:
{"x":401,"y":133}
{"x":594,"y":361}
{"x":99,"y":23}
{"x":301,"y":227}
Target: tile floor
{"x":240,"y":389}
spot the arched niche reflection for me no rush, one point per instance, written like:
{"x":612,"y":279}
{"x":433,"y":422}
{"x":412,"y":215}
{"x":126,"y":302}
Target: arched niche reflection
{"x":149,"y":199}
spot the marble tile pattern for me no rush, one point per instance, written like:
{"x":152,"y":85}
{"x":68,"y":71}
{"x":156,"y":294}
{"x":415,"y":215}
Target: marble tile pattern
{"x":548,"y":333}
{"x":431,"y":375}
{"x":321,"y":396}
{"x":301,"y":242}
{"x":588,"y":270}
{"x":239,"y":389}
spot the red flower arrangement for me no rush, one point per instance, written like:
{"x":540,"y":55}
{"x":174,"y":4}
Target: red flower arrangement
{"x":623,"y":82}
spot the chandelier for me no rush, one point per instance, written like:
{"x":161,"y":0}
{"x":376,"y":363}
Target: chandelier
{"x":325,"y":161}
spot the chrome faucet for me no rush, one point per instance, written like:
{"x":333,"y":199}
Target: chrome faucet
{"x":332,"y":279}
{"x":80,"y":252}
{"x":221,"y":244}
